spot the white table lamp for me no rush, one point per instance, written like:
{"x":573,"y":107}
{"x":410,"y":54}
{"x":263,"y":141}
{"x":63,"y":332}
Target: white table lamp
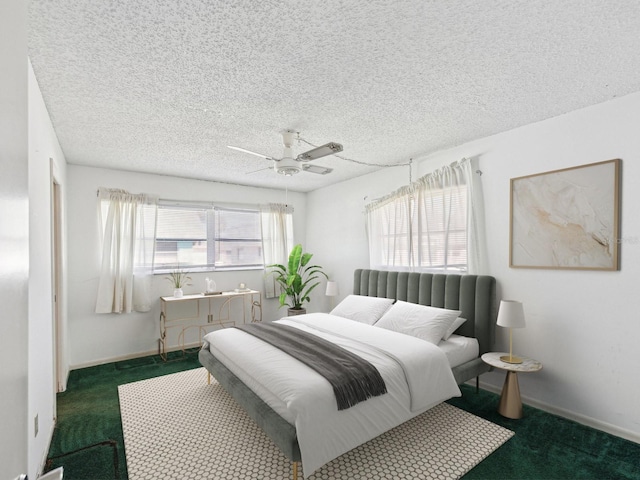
{"x":332,"y":291}
{"x":511,"y":315}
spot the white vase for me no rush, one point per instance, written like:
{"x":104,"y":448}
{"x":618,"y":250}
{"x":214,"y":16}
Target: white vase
{"x":177,"y":293}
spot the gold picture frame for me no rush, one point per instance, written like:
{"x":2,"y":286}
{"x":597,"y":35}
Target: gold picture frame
{"x":566,"y":219}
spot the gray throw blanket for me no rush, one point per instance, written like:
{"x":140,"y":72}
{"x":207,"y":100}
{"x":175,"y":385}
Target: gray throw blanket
{"x":353,"y":379}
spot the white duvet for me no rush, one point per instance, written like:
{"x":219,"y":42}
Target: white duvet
{"x":416,"y":373}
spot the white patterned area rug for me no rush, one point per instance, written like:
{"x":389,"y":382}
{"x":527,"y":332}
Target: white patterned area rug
{"x":178,"y":427}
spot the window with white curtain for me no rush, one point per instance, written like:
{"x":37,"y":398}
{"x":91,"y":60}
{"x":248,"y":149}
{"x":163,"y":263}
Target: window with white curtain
{"x":202,"y":237}
{"x":434,"y":224}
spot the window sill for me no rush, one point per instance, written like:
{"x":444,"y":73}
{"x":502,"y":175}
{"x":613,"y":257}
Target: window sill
{"x":207,"y":269}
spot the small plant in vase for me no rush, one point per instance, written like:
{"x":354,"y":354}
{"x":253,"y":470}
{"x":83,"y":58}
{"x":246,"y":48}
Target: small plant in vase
{"x":178,"y":278}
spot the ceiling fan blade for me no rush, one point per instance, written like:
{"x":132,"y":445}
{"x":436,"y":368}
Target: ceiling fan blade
{"x":316,"y":169}
{"x":318,"y":152}
{"x":259,"y":170}
{"x":250,"y":152}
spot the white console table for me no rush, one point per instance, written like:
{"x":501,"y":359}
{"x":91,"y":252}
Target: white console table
{"x":217,"y":308}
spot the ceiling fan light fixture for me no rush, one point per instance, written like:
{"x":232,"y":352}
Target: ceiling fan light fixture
{"x":321,"y":151}
{"x":287,"y":167}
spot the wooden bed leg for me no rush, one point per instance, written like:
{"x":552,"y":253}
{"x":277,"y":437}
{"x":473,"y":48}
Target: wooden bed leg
{"x":294,"y":466}
{"x":478,"y":384}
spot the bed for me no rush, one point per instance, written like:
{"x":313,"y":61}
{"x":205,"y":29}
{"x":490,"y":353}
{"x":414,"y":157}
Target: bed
{"x":473,"y":296}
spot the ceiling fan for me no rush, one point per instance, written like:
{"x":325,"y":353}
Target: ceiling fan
{"x":289,"y":165}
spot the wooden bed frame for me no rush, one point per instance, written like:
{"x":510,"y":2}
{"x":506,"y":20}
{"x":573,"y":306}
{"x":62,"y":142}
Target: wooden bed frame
{"x":473,"y":295}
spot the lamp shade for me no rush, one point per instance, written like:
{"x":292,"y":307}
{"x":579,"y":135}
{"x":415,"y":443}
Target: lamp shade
{"x":511,"y":314}
{"x":332,"y":289}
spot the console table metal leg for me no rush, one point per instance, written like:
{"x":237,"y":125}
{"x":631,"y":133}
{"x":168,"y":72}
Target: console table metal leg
{"x":162,"y":344}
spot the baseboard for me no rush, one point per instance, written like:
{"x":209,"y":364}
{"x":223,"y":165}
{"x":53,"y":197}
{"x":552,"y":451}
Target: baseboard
{"x":576,"y":417}
{"x":131,"y":356}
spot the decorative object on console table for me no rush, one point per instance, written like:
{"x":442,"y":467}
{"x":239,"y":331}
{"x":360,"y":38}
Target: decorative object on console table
{"x":296,"y":280}
{"x":511,"y":315}
{"x":510,"y":405}
{"x":210,"y":288}
{"x":566,"y":219}
{"x":178,"y":279}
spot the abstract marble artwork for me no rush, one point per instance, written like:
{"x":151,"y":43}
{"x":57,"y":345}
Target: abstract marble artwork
{"x":566,"y":219}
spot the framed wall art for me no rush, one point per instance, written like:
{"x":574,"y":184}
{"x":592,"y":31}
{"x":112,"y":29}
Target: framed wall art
{"x":566,"y":219}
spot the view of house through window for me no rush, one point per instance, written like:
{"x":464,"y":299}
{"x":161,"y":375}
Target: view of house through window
{"x":201,"y":237}
{"x":238,"y":238}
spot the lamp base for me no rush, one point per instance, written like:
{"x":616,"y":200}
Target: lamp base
{"x":510,"y":359}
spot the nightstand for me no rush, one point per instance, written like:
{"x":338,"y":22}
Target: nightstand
{"x":510,"y":405}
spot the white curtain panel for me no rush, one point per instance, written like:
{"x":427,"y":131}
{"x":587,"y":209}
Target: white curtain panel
{"x":276,"y":220}
{"x":128,"y":239}
{"x":476,"y":231}
{"x":389,"y":227}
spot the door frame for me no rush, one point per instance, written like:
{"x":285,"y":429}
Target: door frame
{"x":59,"y":375}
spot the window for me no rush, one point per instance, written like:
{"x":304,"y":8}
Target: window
{"x":204,"y":237}
{"x":238,"y":239}
{"x":441,"y":235}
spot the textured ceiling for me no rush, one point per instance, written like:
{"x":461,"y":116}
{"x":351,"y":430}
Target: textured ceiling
{"x":163,"y":86}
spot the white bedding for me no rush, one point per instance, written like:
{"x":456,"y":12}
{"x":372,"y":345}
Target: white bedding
{"x":417,"y":375}
{"x":460,"y":349}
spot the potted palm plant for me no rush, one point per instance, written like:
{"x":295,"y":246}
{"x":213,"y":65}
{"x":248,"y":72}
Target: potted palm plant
{"x":297,"y":280}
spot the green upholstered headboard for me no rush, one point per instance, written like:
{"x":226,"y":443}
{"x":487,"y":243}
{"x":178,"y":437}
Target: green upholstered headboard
{"x":473,"y":295}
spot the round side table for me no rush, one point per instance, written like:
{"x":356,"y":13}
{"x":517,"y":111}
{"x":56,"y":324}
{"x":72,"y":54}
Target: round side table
{"x":510,"y":405}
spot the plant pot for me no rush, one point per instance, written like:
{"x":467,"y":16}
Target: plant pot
{"x":177,"y":293}
{"x":296,"y":311}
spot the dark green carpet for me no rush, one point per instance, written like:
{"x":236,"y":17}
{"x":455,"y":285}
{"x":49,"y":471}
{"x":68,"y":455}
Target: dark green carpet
{"x":100,"y":461}
{"x":549,"y":447}
{"x":88,"y":438}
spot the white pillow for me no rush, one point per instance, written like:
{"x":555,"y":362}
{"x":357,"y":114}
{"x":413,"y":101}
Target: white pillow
{"x":427,"y":323}
{"x":362,"y":308}
{"x":454,"y":326}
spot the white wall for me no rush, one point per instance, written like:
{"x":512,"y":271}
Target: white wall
{"x":583,"y":326}
{"x":46,"y":161}
{"x":14,"y":240}
{"x":336,"y":231}
{"x":97,"y":338}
